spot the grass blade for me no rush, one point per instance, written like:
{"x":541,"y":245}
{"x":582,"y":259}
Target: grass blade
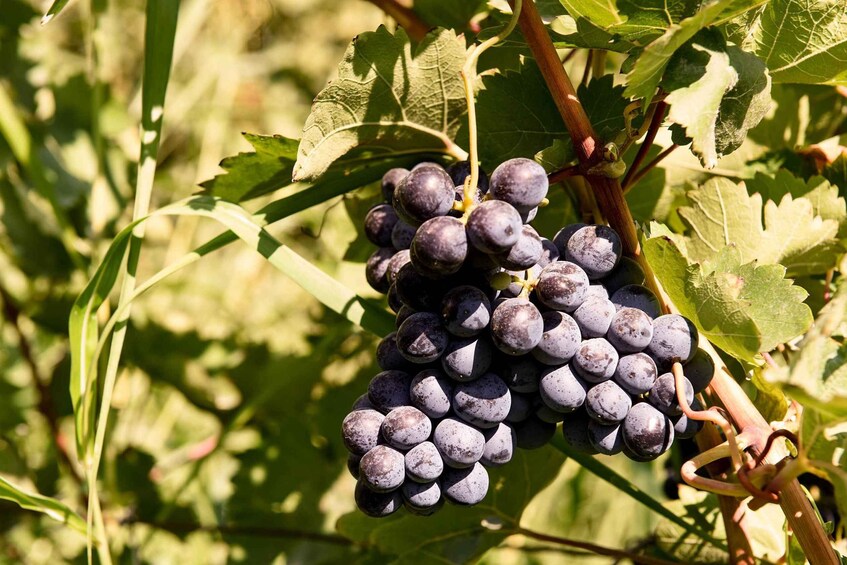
{"x":46,"y":505}
{"x":627,"y":487}
{"x":55,"y":8}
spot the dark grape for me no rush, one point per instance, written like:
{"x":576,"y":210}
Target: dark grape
{"x":547,"y":414}
{"x":636,"y":373}
{"x":674,"y":339}
{"x":597,"y":249}
{"x":439,"y":247}
{"x":379,"y":223}
{"x":390,"y":180}
{"x":561,"y":389}
{"x":534,"y":433}
{"x":639,"y":297}
{"x":630,"y":331}
{"x":466,"y":311}
{"x":528,"y":215}
{"x":549,"y":253}
{"x":461,"y":170}
{"x":389,"y":390}
{"x":402,"y":314}
{"x":426,"y":192}
{"x":430,"y":392}
{"x":377,"y":267}
{"x":663,"y":394}
{"x":396,"y":263}
{"x":560,"y":339}
{"x":402,"y":235}
{"x":575,"y":432}
{"x":607,"y":403}
{"x":605,"y":438}
{"x":353,"y":464}
{"x":394,"y":301}
{"x":594,"y":316}
{"x":493,"y":227}
{"x":416,"y":291}
{"x":684,"y":427}
{"x":422,"y":498}
{"x":388,"y":357}
{"x":521,"y":374}
{"x":516,"y":326}
{"x":377,"y":504}
{"x":525,"y":253}
{"x":484,"y":402}
{"x":360,"y":430}
{"x":422,"y":338}
{"x":405,"y":427}
{"x":561,"y":239}
{"x":382,"y":469}
{"x":521,"y":408}
{"x":627,"y":272}
{"x":467,"y":359}
{"x":596,"y":292}
{"x":562,"y":286}
{"x":500,"y":445}
{"x":647,"y":432}
{"x":423,"y":463}
{"x":459,"y":443}
{"x":465,"y":486}
{"x":699,"y":371}
{"x":520,"y":182}
{"x":595,"y":360}
{"x":362,"y":403}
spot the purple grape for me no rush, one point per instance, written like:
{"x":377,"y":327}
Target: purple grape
{"x":466,"y":311}
{"x":516,"y":326}
{"x":699,"y":371}
{"x":425,"y":193}
{"x":522,"y":407}
{"x":560,"y":340}
{"x":636,"y":373}
{"x":627,"y":272}
{"x":630,"y":331}
{"x":500,"y":443}
{"x":493,"y":227}
{"x":397,"y":261}
{"x":594,"y":316}
{"x":376,"y":269}
{"x":405,"y":427}
{"x":525,"y":253}
{"x":377,"y":504}
{"x":439,"y":247}
{"x":595,"y":360}
{"x":639,"y":297}
{"x":561,"y":389}
{"x":465,"y":486}
{"x":549,"y":253}
{"x":379,"y":223}
{"x":402,"y":235}
{"x":562,"y":286}
{"x":663,"y":394}
{"x":382,"y":469}
{"x":647,"y":432}
{"x":561,"y":239}
{"x":534,"y":433}
{"x":423,"y":463}
{"x":422,"y":499}
{"x":521,"y":374}
{"x":520,"y":182}
{"x":422,"y":338}
{"x":360,"y":430}
{"x":607,"y":403}
{"x":484,"y":402}
{"x":674,"y":339}
{"x":388,"y":357}
{"x":430,"y":392}
{"x":389,"y":390}
{"x":575,"y":432}
{"x":597,"y":249}
{"x":390,"y":180}
{"x":467,"y":359}
{"x":605,"y":438}
{"x":460,"y":444}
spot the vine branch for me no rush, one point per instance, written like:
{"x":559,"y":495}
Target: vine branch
{"x":404,"y":16}
{"x":801,"y":517}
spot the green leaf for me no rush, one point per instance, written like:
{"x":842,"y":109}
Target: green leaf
{"x":56,"y":7}
{"x":817,"y":376}
{"x":625,"y":486}
{"x":645,"y":76}
{"x":249,"y":175}
{"x":46,"y":505}
{"x":581,"y":33}
{"x":534,"y":123}
{"x":823,"y":441}
{"x":454,"y":15}
{"x":723,"y":213}
{"x":802,"y":41}
{"x":461,"y":534}
{"x":390,"y":97}
{"x":632,"y":20}
{"x":697,"y":77}
{"x":743,"y":308}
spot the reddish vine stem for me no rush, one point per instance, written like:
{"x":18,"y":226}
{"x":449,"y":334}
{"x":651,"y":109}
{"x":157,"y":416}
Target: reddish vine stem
{"x":648,"y":167}
{"x":593,"y":548}
{"x":405,"y":17}
{"x":652,"y":130}
{"x":801,"y":517}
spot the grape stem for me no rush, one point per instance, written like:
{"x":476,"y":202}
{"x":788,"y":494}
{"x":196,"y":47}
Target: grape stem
{"x":655,"y":123}
{"x":468,"y":80}
{"x":610,"y":198}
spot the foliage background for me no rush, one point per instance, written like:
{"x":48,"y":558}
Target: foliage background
{"x":224,"y":443}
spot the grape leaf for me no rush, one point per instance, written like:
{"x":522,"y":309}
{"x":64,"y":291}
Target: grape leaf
{"x":650,"y":65}
{"x":724,"y":213}
{"x":817,"y":376}
{"x":460,"y":534}
{"x":389,"y":97}
{"x":534,"y":123}
{"x":455,"y":15}
{"x":580,"y":32}
{"x":743,"y":308}
{"x":823,"y":441}
{"x":249,"y":175}
{"x":802,"y":41}
{"x":632,"y":20}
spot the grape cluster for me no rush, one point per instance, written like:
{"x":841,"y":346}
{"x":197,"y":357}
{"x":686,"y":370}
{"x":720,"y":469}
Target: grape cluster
{"x":502,"y":335}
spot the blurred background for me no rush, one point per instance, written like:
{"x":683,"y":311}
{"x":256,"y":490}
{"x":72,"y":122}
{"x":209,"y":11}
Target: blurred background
{"x":224,"y":442}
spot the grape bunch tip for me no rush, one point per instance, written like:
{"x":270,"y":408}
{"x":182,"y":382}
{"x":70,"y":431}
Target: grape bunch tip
{"x":501,"y":335}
